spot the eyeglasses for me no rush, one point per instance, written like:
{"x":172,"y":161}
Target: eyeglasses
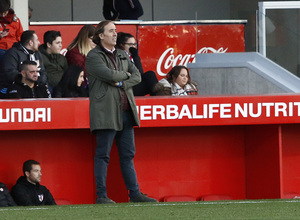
{"x":131,"y":44}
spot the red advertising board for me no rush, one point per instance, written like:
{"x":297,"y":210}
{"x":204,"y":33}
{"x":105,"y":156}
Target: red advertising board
{"x":155,"y":112}
{"x":163,"y":46}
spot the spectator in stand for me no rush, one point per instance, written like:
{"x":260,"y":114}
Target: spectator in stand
{"x":79,"y":48}
{"x":71,"y":84}
{"x":122,"y":9}
{"x":55,"y":63}
{"x":28,"y":191}
{"x":126,"y":42}
{"x":26,"y":85}
{"x":26,"y":49}
{"x":10,"y":27}
{"x":113,"y":111}
{"x":5,"y":197}
{"x":177,"y":83}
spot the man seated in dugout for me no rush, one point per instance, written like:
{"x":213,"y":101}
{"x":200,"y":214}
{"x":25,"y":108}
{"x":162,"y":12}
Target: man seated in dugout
{"x":28,"y":191}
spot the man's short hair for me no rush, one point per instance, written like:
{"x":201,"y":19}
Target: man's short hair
{"x":27,"y":165}
{"x":50,"y":36}
{"x":26,"y":63}
{"x":27,"y":36}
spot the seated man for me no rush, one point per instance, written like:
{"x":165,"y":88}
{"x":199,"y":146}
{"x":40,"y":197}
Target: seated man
{"x":28,"y":191}
{"x":55,"y":63}
{"x":26,"y":49}
{"x":26,"y":85}
{"x":5,"y":197}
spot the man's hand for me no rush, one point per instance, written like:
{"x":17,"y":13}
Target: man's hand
{"x":3,"y":34}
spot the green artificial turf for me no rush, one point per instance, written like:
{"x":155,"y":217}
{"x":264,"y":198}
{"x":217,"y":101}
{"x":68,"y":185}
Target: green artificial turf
{"x":245,"y":209}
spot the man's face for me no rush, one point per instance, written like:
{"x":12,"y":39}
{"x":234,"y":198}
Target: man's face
{"x":109,"y":37}
{"x":35,"y":174}
{"x":34,"y":43}
{"x":31,"y":74}
{"x":55,"y":47}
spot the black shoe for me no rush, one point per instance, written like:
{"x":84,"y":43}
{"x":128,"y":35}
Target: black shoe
{"x":142,"y":198}
{"x":104,"y":200}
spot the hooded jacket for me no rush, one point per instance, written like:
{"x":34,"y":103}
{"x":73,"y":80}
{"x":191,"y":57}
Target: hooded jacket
{"x":28,"y":194}
{"x":12,"y":60}
{"x":11,"y":22}
{"x":55,"y":65}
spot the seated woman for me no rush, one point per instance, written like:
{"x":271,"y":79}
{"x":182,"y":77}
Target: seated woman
{"x":79,"y":48}
{"x":176,"y":83}
{"x":71,"y":84}
{"x":126,"y":42}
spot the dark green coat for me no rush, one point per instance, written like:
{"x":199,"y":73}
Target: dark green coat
{"x":55,"y":65}
{"x":105,"y":98}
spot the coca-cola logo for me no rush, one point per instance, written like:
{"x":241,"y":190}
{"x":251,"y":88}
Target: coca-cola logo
{"x":168,"y":60}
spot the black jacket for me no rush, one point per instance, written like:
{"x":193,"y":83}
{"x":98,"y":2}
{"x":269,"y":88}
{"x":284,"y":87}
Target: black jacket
{"x":5,"y":197}
{"x":122,"y":9}
{"x":20,"y":90}
{"x":28,"y":194}
{"x":12,"y":60}
{"x":59,"y":92}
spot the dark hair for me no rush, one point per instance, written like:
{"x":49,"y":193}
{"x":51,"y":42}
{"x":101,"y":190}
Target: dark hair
{"x":4,"y":5}
{"x":122,"y":39}
{"x":27,"y":165}
{"x":50,"y":36}
{"x":26,"y":37}
{"x":26,"y":63}
{"x":68,"y":83}
{"x":174,"y":73}
{"x":100,"y":30}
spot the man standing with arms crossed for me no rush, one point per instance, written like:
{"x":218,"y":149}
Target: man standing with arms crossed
{"x":113,"y":110}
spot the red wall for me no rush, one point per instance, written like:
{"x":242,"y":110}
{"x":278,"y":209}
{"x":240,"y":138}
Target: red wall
{"x":241,"y":158}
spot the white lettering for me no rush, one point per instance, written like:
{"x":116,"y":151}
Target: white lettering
{"x":268,"y":108}
{"x":7,"y":116}
{"x":25,"y":115}
{"x":213,"y":108}
{"x":185,"y":111}
{"x":144,"y":112}
{"x":48,"y":114}
{"x":28,"y":115}
{"x":298,"y":106}
{"x":239,"y":109}
{"x":251,"y":113}
{"x":225,"y":108}
{"x":158,"y":110}
{"x":280,"y":107}
{"x":170,"y":60}
{"x":172,"y":111}
{"x":195,"y":116}
{"x":13,"y":113}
